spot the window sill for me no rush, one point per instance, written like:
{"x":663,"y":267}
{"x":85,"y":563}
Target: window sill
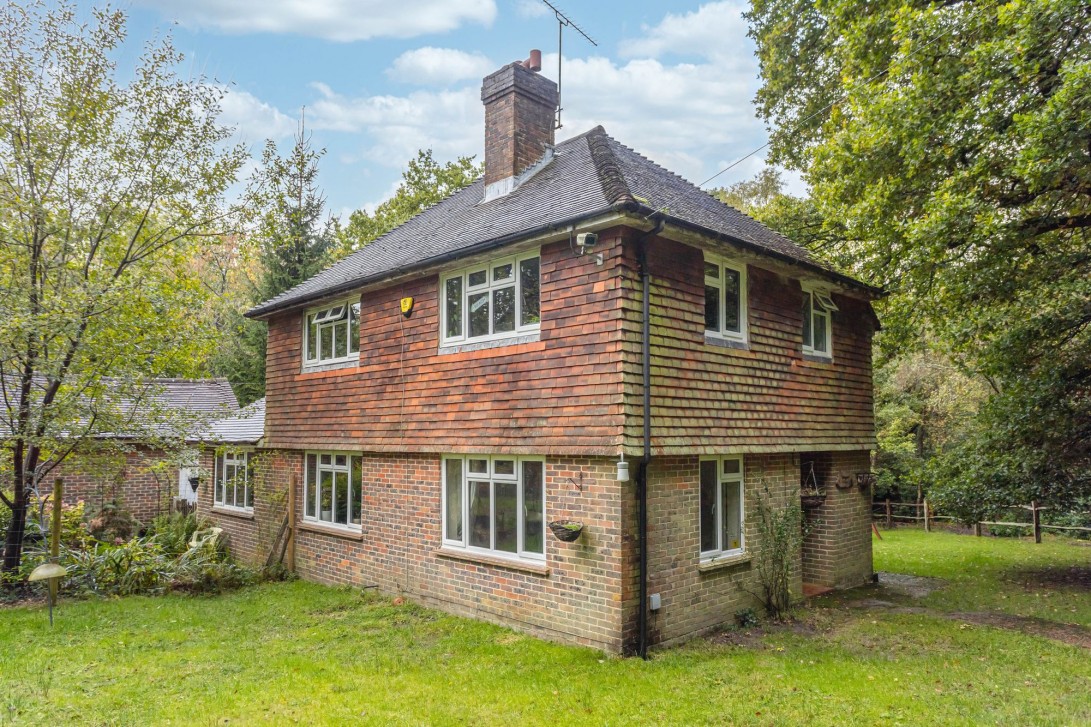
{"x":722,"y":562}
{"x":713,"y":339}
{"x":540,"y":569}
{"x":817,"y":358}
{"x":448,"y":348}
{"x":330,"y":530}
{"x":233,"y":512}
{"x":318,"y":368}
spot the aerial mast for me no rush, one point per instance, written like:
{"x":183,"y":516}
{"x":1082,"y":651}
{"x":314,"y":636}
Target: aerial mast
{"x":562,"y":21}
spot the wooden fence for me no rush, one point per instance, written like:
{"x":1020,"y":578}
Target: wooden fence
{"x":890,"y":512}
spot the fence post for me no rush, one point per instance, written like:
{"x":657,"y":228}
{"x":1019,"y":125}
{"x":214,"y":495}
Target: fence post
{"x":927,"y":520}
{"x":55,"y":535}
{"x":1036,"y":519}
{"x":977,"y":529}
{"x":889,"y":515}
{"x":293,"y":481}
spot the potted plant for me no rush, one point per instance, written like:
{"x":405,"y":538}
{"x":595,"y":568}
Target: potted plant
{"x":566,"y":530}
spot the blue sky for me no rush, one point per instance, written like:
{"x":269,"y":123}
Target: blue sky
{"x":380,"y":80}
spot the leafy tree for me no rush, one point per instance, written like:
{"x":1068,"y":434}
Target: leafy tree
{"x":106,"y":187}
{"x":424,"y":183}
{"x":797,"y":218}
{"x":955,"y":154}
{"x":292,"y":240}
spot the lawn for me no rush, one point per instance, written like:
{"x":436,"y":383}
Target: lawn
{"x":297,"y":652}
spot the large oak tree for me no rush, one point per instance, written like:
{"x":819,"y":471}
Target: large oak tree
{"x":950,"y":143}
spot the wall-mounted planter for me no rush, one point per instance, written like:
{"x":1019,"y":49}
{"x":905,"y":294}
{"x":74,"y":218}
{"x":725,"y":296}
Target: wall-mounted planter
{"x":567,"y":530}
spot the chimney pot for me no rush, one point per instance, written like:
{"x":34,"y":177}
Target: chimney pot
{"x":534,"y":62}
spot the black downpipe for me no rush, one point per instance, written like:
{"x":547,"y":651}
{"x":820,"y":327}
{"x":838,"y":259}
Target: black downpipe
{"x":642,"y":474}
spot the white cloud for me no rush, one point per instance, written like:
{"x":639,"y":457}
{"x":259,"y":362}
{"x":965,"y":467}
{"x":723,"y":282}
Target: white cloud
{"x":715,"y":31}
{"x":253,"y":119}
{"x":391,"y":129}
{"x":686,"y":117}
{"x":338,"y":20}
{"x":438,"y":66}
{"x":531,"y":8}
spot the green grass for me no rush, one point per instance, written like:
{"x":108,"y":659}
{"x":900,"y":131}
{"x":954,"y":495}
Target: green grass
{"x":297,"y":652}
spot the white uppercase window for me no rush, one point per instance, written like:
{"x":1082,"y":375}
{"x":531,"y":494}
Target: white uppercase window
{"x":818,"y":310}
{"x":491,"y":301}
{"x":725,"y":299}
{"x":332,"y":334}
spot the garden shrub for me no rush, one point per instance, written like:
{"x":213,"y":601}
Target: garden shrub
{"x":173,"y":532}
{"x":780,"y":537}
{"x":113,"y":524}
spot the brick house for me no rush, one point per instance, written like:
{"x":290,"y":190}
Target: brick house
{"x":145,"y":473}
{"x":502,"y":360}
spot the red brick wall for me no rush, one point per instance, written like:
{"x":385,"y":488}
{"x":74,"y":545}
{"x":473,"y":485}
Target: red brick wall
{"x":559,"y":395}
{"x":578,"y":600}
{"x":251,"y":535}
{"x":712,"y":400}
{"x":696,"y":600}
{"x":142,"y":481}
{"x":837,"y":551}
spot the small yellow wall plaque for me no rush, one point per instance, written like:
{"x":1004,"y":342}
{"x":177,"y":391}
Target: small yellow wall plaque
{"x":407,"y":306}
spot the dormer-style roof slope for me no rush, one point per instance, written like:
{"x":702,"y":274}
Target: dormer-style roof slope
{"x":588,"y":176}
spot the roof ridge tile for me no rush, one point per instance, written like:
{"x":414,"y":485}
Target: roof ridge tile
{"x":614,"y":186}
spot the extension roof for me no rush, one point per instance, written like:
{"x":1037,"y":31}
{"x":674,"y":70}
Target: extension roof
{"x":589,"y":175}
{"x":246,"y":426}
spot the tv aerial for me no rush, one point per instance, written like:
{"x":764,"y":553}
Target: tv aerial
{"x":562,"y":21}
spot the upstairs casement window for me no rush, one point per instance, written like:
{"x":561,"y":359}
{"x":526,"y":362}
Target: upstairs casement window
{"x":332,"y":489}
{"x":495,"y":505}
{"x":725,"y":300}
{"x":493,"y":301}
{"x":233,"y":481}
{"x":332,"y":334}
{"x":818,"y":308}
{"x":722,"y":515}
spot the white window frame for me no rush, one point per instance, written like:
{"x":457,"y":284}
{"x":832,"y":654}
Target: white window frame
{"x":723,"y":264}
{"x":723,"y":478}
{"x":820,"y":306}
{"x":349,"y":311}
{"x":450,"y":540}
{"x":490,"y":285}
{"x":311,"y":492}
{"x":234,"y":458}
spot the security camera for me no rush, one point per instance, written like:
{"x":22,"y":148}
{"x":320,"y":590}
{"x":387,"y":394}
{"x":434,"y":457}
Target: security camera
{"x":586,"y":240}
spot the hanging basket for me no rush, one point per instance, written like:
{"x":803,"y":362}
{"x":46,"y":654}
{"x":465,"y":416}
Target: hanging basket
{"x":812,"y":500}
{"x":567,"y":530}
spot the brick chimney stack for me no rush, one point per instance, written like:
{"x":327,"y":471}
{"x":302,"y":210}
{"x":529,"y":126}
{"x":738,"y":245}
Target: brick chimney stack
{"x":520,"y":106}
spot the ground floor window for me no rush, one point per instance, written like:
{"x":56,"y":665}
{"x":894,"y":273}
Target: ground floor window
{"x":233,"y":480}
{"x":332,"y":488}
{"x":721,"y":507}
{"x":495,"y":505}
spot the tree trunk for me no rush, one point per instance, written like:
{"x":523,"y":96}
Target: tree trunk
{"x":13,"y":542}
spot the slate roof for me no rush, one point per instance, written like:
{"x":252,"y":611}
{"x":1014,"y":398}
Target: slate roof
{"x":246,"y":426}
{"x":193,"y":400}
{"x":197,"y":396}
{"x":589,"y":175}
